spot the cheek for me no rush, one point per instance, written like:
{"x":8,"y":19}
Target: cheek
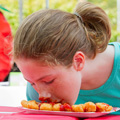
{"x":68,"y":89}
{"x":73,"y":88}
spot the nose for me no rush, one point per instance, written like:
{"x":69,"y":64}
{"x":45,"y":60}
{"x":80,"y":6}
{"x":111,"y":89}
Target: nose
{"x":43,"y":92}
{"x":44,"y":96}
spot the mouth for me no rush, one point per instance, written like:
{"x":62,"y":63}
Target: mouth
{"x":49,"y":100}
{"x":43,"y":99}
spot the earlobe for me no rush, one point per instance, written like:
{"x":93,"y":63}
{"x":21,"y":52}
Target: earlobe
{"x":78,"y":61}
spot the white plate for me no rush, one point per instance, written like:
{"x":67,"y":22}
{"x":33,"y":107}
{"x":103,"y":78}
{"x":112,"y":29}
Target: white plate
{"x":75,"y":114}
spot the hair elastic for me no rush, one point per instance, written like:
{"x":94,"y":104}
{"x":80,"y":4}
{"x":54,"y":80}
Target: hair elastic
{"x":79,"y":17}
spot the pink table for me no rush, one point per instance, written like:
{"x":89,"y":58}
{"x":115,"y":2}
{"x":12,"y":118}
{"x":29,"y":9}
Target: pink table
{"x":14,"y":113}
{"x":107,"y":117}
{"x":22,"y":116}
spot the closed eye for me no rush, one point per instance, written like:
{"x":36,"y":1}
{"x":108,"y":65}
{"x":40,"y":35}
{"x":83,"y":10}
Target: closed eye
{"x":32,"y":84}
{"x":49,"y":82}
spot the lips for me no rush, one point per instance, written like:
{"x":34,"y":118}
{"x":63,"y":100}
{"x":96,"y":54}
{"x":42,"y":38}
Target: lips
{"x":49,"y":100}
{"x":43,"y":99}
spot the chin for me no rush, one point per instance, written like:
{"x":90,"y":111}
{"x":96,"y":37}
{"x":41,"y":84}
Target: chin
{"x":69,"y":102}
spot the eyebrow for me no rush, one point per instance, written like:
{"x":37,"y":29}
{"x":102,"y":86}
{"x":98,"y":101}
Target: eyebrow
{"x":39,"y":78}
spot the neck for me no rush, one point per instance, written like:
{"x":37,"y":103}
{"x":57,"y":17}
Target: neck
{"x":97,"y":71}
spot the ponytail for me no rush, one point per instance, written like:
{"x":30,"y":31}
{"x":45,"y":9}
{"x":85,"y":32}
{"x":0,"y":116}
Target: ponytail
{"x":96,"y":26}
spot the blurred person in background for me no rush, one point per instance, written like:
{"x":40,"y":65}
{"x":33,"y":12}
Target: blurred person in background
{"x":5,"y":47}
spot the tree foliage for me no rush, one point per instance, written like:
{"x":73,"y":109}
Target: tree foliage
{"x":30,"y":6}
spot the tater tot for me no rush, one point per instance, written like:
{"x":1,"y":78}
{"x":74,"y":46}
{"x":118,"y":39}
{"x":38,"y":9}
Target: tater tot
{"x":90,"y":107}
{"x":56,"y":107}
{"x":24,"y":103}
{"x":33,"y":105}
{"x":67,"y":107}
{"x":78,"y":108}
{"x":100,"y":107}
{"x":46,"y":106}
{"x":103,"y":107}
{"x":109,"y":108}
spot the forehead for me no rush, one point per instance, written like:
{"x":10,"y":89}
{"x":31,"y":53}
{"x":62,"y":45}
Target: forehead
{"x":33,"y":69}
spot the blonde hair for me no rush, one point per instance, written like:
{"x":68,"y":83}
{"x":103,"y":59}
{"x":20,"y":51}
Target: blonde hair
{"x":55,"y":36}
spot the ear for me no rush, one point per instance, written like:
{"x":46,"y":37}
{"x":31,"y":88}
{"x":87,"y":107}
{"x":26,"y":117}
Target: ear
{"x":78,"y":60}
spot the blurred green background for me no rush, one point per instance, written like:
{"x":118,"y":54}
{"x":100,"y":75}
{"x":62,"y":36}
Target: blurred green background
{"x":30,"y":6}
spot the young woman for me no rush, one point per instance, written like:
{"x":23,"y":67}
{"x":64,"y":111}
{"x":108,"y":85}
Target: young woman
{"x":66,"y":57}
